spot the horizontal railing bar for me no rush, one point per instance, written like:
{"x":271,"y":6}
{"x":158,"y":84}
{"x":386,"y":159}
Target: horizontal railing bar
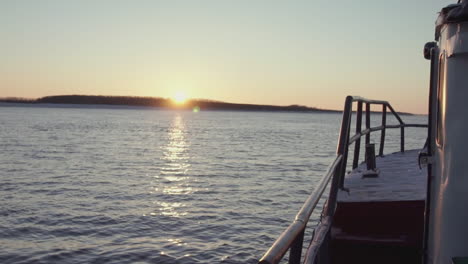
{"x":369,"y":101}
{"x":368,"y":131}
{"x":284,"y":242}
{"x":355,"y":137}
{"x":378,"y":128}
{"x":416,"y":125}
{"x":365,"y":131}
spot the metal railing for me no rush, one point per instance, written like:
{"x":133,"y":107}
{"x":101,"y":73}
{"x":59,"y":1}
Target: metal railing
{"x":345,"y":140}
{"x":292,"y":238}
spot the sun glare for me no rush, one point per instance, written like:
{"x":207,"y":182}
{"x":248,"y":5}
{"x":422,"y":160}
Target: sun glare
{"x":179,"y":98}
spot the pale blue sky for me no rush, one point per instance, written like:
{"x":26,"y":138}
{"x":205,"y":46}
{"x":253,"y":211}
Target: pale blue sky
{"x":311,"y":53}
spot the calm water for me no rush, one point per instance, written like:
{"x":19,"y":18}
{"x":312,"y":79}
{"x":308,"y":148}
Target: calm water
{"x":87,"y":185}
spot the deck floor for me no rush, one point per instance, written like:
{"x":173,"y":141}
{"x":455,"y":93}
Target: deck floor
{"x":400,"y":179}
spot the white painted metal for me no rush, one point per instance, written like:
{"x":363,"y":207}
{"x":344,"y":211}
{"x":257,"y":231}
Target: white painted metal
{"x":448,"y":220}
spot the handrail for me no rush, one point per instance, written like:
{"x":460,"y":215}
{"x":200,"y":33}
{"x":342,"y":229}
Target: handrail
{"x":292,"y":238}
{"x":289,"y":236}
{"x":345,"y":140}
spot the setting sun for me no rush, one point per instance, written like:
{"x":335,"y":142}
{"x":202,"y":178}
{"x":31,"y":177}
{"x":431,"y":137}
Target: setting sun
{"x":179,"y":98}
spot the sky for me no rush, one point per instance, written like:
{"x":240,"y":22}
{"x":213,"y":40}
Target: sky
{"x":311,"y":53}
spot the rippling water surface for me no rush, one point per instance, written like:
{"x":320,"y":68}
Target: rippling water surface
{"x":97,"y":185}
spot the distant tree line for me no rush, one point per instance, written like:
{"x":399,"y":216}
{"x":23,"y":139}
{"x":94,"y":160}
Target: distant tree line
{"x":17,"y":100}
{"x":200,"y":104}
{"x":106,"y":100}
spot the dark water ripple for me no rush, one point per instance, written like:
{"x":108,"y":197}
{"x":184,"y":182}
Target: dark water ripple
{"x":83,"y":185}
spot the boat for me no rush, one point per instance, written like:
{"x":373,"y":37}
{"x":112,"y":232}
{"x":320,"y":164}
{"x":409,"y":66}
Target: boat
{"x":410,"y":206}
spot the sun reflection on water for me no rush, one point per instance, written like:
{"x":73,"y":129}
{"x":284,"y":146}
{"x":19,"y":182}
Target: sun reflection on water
{"x":176,"y":241}
{"x":173,"y":180}
{"x":169,"y":209}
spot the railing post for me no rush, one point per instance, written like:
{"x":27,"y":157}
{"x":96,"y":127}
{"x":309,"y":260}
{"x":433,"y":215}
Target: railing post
{"x":330,"y":206}
{"x":295,"y":253}
{"x":382,"y":133}
{"x":402,"y":140}
{"x":344,"y":137}
{"x":370,"y":157}
{"x":368,"y":122}
{"x":357,"y":145}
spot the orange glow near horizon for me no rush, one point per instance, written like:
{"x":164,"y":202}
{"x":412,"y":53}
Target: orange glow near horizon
{"x":179,"y":98}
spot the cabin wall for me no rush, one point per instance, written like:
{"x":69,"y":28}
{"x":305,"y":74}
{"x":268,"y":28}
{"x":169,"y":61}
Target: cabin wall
{"x":448,"y":232}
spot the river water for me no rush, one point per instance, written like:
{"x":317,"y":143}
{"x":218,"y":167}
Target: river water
{"x":139,"y":185}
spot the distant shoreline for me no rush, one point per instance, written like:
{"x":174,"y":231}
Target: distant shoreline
{"x":161,"y":103}
{"x":164,"y":104}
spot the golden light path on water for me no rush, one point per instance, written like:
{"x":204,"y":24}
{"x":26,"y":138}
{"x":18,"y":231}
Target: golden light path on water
{"x":173,"y":179}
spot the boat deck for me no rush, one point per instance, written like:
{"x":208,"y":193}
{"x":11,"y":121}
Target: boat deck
{"x":400,"y":179}
{"x":381,"y":219}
